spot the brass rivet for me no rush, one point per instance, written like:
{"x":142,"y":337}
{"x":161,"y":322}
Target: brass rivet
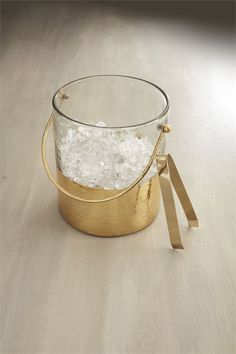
{"x":166,"y":128}
{"x":64,"y":96}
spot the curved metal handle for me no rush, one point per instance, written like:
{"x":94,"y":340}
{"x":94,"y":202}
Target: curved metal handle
{"x":165,"y":129}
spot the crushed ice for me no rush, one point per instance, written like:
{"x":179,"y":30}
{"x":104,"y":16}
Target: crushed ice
{"x":104,"y":158}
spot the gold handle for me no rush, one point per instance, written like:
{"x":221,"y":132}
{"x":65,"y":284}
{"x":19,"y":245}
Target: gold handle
{"x":165,"y":129}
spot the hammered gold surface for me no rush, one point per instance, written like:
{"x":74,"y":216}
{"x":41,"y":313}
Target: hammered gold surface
{"x":125,"y":215}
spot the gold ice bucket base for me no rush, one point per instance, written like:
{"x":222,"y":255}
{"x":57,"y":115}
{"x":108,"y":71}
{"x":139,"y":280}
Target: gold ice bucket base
{"x":130,"y":213}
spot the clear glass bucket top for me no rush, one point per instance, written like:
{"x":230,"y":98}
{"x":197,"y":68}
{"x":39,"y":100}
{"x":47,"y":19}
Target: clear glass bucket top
{"x":106,"y":128}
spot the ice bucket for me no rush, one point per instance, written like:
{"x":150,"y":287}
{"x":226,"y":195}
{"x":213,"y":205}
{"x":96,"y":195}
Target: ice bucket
{"x":108,"y":130}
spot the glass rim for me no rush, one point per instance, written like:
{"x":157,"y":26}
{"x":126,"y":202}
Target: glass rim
{"x":156,"y":118}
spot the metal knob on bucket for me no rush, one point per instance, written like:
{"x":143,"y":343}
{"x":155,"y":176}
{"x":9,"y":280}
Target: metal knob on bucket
{"x":128,"y":105}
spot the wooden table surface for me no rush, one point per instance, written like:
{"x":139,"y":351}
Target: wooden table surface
{"x":65,"y":292}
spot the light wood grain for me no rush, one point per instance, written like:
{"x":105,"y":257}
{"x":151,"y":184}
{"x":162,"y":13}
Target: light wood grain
{"x":65,"y":292}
